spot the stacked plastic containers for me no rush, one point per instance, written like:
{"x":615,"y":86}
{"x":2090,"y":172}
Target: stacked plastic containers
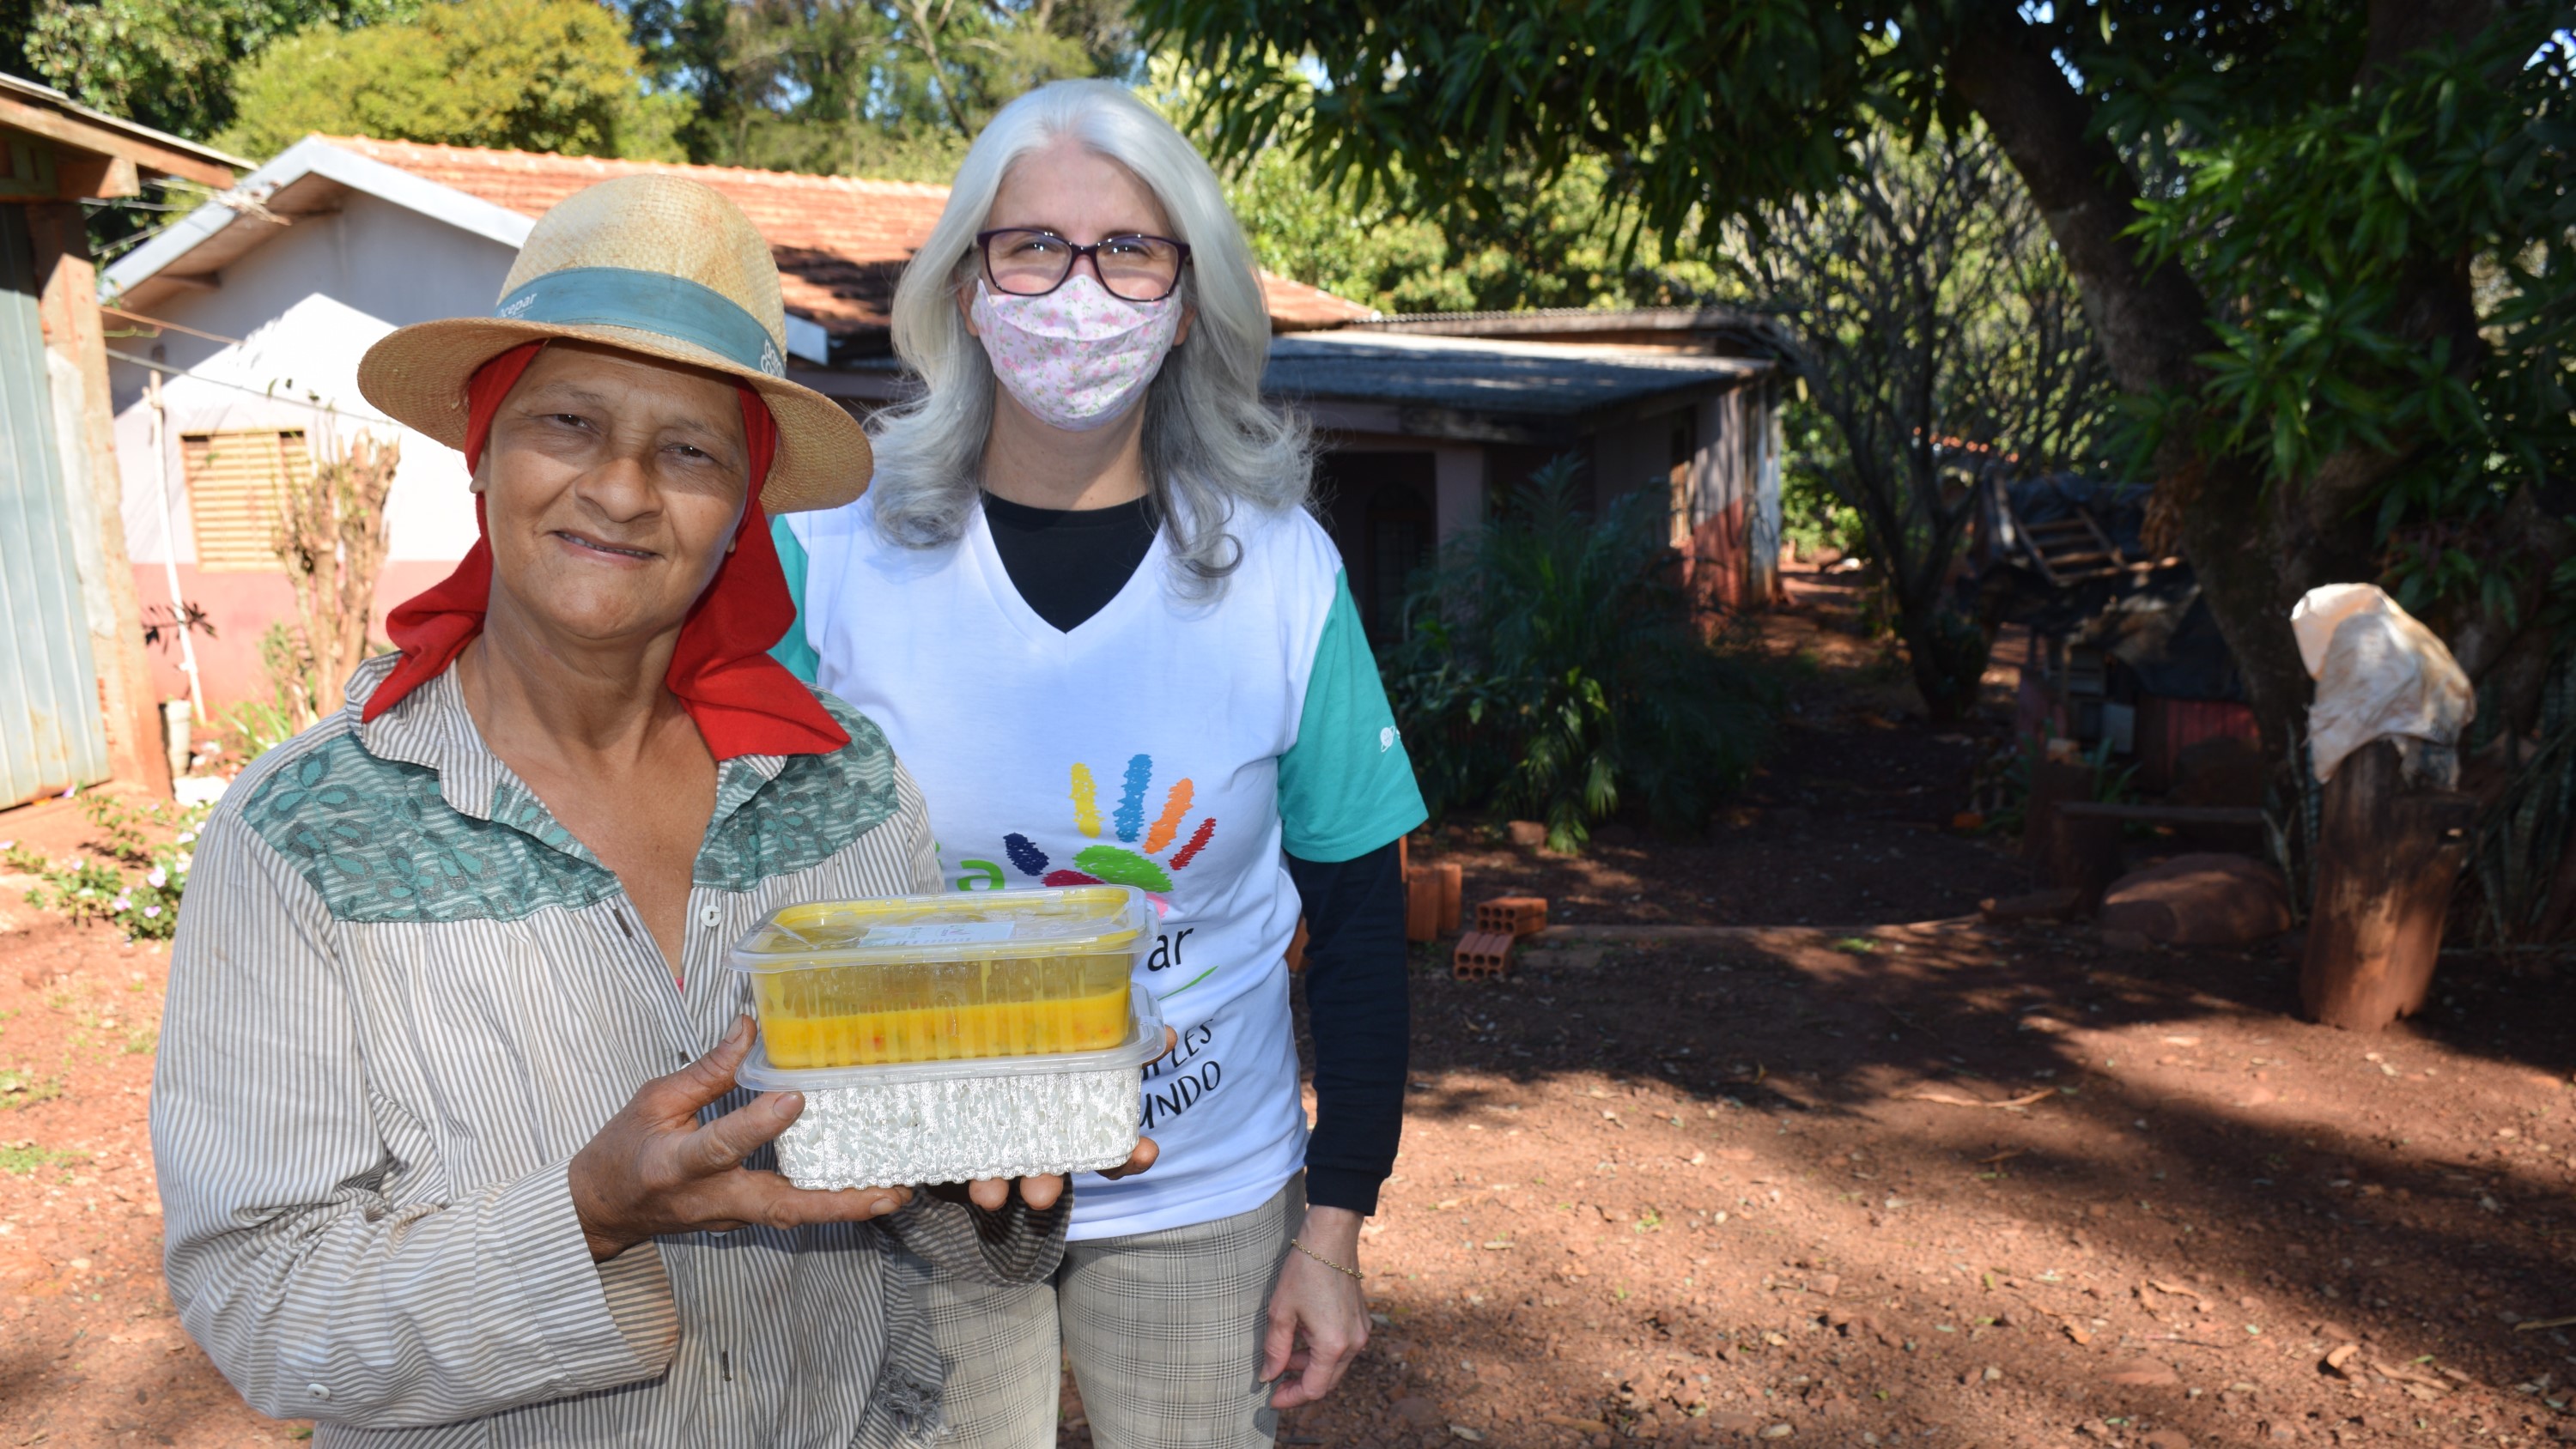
{"x":943,"y":1038}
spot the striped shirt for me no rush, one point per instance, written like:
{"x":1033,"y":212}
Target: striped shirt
{"x":402,"y":997}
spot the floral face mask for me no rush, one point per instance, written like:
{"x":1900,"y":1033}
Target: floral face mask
{"x":1077,"y":358}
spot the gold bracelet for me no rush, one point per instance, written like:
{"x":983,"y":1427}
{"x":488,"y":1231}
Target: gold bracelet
{"x":1353,"y":1273}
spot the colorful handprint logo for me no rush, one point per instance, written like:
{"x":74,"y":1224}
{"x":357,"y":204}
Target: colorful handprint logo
{"x":1120,"y":864}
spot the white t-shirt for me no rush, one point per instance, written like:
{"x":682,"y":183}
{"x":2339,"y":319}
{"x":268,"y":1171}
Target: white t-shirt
{"x":1178,"y":745}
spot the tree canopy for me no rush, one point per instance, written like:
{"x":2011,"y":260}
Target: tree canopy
{"x":892,"y":88}
{"x":1922,"y":309}
{"x":167,"y":63}
{"x":1552,"y":245}
{"x":530,"y":75}
{"x":2347,"y":316}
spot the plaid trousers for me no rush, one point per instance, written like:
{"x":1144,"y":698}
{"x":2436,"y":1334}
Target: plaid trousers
{"x":1163,"y":1330}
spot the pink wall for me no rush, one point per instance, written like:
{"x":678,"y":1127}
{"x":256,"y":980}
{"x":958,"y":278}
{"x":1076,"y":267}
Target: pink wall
{"x":241,"y":606}
{"x":1718,"y":570}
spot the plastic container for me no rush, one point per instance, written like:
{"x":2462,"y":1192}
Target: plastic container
{"x":950,"y":977}
{"x":950,"y":1121}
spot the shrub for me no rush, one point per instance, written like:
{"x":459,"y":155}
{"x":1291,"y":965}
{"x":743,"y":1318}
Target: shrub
{"x":145,"y":906}
{"x":1551,"y":666}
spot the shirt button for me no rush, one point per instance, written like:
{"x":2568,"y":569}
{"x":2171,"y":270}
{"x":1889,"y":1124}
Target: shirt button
{"x":710,"y":918}
{"x":319,"y":1391}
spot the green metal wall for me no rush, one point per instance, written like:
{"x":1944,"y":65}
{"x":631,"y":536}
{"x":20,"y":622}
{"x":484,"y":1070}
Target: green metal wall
{"x":51,"y":736}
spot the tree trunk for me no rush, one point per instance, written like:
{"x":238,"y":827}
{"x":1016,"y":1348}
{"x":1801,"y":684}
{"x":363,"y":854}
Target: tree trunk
{"x":2152,"y":321}
{"x":2386,"y":857}
{"x":2052,"y":783}
{"x":1940,"y":674}
{"x":2255,"y":546}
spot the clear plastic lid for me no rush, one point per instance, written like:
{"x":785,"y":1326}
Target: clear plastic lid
{"x":950,"y":926}
{"x":1143,"y":1043}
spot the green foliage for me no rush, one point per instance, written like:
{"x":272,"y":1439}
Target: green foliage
{"x":887,"y":88}
{"x":17,"y":22}
{"x":2364,"y":242}
{"x":144,"y":906}
{"x":2321,"y":226}
{"x":1550,"y":667}
{"x":170,"y":63}
{"x":2006,"y":781}
{"x":123,"y":830}
{"x":2527,"y":830}
{"x":1813,"y":515}
{"x":25,"y":1159}
{"x":1558,"y":243}
{"x":21,"y":1087}
{"x":528,"y":75}
{"x":1938,"y":337}
{"x":253,"y":727}
{"x":1686,"y":104}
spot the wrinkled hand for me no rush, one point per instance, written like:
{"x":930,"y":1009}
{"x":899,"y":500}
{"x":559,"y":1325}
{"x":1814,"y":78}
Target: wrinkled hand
{"x":652,"y":1170}
{"x":992,"y":1194}
{"x":1327,"y":1310}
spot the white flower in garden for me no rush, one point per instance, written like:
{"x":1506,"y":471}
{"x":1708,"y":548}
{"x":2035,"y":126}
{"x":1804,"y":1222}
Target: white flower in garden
{"x":186,"y":859}
{"x":123,"y":902}
{"x":157,"y":877}
{"x":150,"y":911}
{"x":185,"y":836}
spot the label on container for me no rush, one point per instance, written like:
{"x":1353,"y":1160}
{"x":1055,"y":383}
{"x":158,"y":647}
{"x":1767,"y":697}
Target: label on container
{"x":954,"y":933}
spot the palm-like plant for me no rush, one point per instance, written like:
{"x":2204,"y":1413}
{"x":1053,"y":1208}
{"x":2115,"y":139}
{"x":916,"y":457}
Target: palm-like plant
{"x":1552,"y":666}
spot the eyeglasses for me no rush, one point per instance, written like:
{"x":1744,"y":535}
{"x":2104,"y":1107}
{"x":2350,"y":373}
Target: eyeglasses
{"x":1029,"y":263}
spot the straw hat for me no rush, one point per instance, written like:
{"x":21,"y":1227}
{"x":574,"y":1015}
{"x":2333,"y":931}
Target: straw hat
{"x":657,"y":265}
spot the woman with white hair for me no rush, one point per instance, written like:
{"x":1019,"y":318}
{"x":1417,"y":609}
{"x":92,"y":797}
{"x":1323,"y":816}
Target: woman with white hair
{"x":1091,"y":612}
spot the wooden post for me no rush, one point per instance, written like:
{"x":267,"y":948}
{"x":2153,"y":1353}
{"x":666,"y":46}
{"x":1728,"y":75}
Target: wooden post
{"x":2387,"y":854}
{"x":2092,"y":851}
{"x":2052,"y":782}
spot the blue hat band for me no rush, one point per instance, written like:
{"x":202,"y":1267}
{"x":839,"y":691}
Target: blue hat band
{"x":673,"y":306}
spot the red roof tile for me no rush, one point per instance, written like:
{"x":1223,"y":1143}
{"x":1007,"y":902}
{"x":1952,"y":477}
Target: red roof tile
{"x":840,"y":241}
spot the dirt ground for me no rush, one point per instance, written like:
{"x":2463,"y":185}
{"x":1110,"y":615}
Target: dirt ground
{"x":1891,"y":1177}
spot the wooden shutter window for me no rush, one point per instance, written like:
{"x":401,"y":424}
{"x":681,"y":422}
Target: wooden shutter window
{"x":233,"y":483}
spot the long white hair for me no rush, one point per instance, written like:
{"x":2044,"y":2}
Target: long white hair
{"x":1209,"y":440}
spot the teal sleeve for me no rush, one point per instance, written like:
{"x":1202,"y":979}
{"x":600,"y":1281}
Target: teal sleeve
{"x":793,"y":651}
{"x":1346,"y":787}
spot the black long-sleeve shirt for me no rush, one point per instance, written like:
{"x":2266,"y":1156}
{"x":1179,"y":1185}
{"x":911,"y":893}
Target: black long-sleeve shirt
{"x":1067,"y":565}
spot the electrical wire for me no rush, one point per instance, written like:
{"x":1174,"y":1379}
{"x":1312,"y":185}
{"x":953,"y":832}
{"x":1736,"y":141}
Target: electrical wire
{"x":167,"y":370}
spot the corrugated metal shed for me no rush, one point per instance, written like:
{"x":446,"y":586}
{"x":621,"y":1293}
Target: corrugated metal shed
{"x":51,"y":733}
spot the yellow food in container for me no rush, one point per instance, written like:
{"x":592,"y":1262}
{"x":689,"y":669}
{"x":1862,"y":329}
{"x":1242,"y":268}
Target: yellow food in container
{"x":945,"y":977}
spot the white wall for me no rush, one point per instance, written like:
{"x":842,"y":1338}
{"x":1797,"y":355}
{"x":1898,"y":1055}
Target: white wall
{"x":307,"y":305}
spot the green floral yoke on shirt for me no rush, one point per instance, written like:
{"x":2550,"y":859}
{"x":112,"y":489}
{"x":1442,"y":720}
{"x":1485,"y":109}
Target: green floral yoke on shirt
{"x":377,"y":839}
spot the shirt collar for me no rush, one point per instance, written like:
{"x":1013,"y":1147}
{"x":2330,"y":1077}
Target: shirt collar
{"x":431,"y":728}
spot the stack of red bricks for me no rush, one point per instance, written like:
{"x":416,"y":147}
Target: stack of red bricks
{"x":1501,"y":924}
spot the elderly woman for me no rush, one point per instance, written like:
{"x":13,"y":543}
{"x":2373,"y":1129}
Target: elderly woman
{"x":1127,"y":653}
{"x":449,"y":1144}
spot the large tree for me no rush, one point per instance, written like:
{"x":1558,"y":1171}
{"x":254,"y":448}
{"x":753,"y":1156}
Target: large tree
{"x":528,"y":75}
{"x":2345,"y":327}
{"x":882,"y":87}
{"x":1921,"y":308}
{"x":168,"y":63}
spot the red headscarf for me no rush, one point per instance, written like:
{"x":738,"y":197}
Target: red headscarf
{"x":744,"y":702}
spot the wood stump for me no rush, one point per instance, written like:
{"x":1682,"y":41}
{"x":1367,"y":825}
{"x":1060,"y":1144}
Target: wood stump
{"x":2387,"y":853}
{"x":2052,"y":783}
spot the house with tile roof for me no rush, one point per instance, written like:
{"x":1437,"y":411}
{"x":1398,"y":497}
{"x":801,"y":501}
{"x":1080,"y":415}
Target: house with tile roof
{"x":253,"y":310}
